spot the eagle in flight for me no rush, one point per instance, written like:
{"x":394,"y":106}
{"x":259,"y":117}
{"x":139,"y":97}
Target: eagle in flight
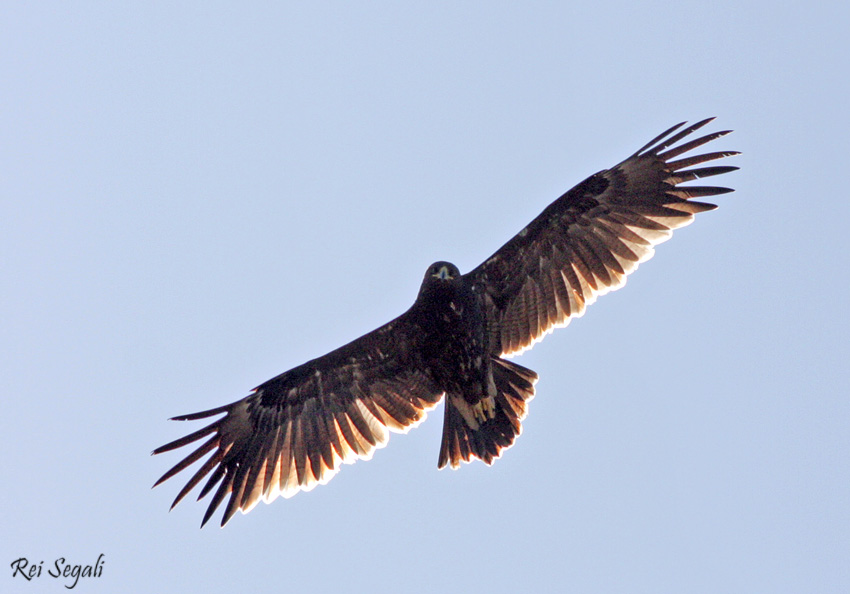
{"x":296,"y":430}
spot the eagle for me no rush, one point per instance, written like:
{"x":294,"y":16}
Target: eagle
{"x":455,"y":342}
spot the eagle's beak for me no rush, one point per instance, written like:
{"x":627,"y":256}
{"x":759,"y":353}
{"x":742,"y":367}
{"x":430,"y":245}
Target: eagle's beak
{"x":443,"y":274}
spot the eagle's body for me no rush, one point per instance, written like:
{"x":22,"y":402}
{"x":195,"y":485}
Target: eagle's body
{"x":295,"y":430}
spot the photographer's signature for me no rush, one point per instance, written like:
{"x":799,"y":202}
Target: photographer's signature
{"x":60,"y":569}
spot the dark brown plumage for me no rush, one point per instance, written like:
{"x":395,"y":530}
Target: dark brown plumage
{"x":295,"y":430}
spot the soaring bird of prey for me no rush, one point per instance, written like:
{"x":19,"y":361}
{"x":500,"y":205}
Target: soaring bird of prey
{"x":296,"y":430}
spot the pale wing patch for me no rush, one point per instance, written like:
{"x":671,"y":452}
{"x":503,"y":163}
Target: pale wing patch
{"x":577,"y":286}
{"x":353,"y":440}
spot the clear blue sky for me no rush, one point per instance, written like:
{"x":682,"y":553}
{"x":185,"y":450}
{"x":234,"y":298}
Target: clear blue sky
{"x":198,"y":197}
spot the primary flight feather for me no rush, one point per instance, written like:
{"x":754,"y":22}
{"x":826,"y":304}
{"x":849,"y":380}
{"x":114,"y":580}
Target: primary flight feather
{"x":295,"y":430}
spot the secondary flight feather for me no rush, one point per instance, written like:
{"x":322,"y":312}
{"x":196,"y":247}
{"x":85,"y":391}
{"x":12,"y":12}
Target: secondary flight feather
{"x":297,"y":429}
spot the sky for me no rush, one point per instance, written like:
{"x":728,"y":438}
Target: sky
{"x":198,"y":196}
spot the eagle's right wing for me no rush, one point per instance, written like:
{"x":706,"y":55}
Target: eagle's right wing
{"x":293,"y":432}
{"x":587,"y":241}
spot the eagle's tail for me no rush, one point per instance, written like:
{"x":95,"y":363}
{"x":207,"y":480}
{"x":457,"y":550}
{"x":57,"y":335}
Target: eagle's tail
{"x":484,"y":429}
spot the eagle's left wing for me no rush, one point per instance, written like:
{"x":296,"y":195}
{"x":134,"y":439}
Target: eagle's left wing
{"x":586,"y":242}
{"x":295,"y":430}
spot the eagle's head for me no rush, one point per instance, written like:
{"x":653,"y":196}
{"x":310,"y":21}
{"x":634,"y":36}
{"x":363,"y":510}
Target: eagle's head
{"x":442,"y":271}
{"x":440,"y":278}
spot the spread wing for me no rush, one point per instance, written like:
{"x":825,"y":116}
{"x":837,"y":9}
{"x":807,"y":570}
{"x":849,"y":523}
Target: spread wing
{"x":294,"y":431}
{"x":586,"y":242}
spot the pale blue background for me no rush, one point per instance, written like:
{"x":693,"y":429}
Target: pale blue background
{"x":198,"y":197}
